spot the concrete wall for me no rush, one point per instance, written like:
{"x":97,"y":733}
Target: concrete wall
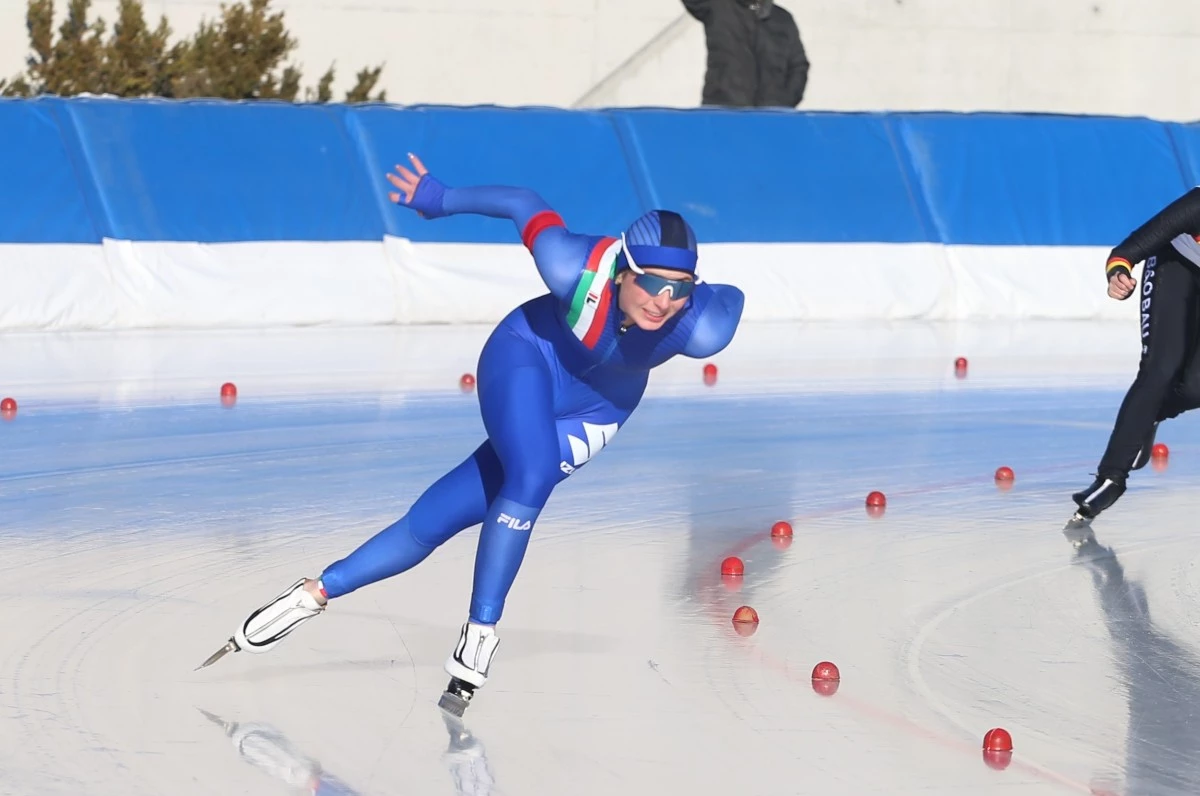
{"x":1122,"y":57}
{"x":1126,"y":57}
{"x":510,"y":52}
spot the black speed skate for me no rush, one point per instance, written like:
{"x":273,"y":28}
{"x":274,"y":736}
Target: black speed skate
{"x":1102,"y":493}
{"x":1099,"y":496}
{"x":1143,"y":457}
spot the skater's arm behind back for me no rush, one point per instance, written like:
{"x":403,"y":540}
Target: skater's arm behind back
{"x":1181,"y":217}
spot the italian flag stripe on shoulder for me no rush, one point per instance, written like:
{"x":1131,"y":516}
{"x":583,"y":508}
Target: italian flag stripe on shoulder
{"x":593,"y":294}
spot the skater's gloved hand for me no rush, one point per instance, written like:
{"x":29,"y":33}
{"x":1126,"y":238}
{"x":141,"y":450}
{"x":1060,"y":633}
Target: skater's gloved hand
{"x":1121,"y":285}
{"x":421,"y":191}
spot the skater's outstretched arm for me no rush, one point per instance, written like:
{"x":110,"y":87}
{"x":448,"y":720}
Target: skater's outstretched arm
{"x":1178,"y":218}
{"x":559,"y":254}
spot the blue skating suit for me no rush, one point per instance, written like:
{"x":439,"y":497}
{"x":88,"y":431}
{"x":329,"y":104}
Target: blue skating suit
{"x":556,"y":380}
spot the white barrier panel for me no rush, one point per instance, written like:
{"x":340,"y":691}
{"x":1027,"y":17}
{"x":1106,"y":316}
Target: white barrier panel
{"x":834,"y":281}
{"x":60,"y":286}
{"x":213,"y":285}
{"x":128,"y":285}
{"x":464,"y":283}
{"x":1063,"y":282}
{"x":460,"y":282}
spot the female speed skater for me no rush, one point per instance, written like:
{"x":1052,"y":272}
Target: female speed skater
{"x":556,"y":379}
{"x":1168,"y":378}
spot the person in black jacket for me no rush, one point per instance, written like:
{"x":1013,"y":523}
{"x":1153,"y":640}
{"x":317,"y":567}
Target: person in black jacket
{"x":1168,"y":379}
{"x":755,"y":57}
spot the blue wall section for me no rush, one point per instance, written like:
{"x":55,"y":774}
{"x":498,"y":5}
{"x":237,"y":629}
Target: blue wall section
{"x":40,"y":196}
{"x":572,"y":159}
{"x":1186,"y":140}
{"x":214,"y":171}
{"x":81,"y":169}
{"x":771,"y":176}
{"x":1043,"y":180}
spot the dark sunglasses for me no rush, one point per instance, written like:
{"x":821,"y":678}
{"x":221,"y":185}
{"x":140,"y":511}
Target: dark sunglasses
{"x":655,"y":285}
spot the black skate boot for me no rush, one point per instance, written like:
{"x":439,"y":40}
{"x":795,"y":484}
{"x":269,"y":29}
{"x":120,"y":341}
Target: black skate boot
{"x":1099,"y":496}
{"x":1091,"y":501}
{"x":1143,"y":457}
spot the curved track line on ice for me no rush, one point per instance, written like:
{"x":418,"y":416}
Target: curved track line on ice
{"x":67,"y":678}
{"x":720,"y":615}
{"x":957,"y":604}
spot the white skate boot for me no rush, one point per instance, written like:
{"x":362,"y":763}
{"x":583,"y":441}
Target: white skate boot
{"x":267,"y":626}
{"x":468,"y":666}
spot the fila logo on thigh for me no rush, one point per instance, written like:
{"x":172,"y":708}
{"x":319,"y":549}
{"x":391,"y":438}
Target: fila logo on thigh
{"x":514,"y":522}
{"x":582,"y":450}
{"x":1147,"y":289}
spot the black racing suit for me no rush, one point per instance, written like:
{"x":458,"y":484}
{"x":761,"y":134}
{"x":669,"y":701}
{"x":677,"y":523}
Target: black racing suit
{"x":1168,"y":379}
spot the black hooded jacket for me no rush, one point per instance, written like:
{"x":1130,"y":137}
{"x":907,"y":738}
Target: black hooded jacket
{"x":755,"y":58}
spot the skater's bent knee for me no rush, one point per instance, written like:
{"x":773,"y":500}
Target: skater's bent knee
{"x":431,"y":538}
{"x":528,"y":489}
{"x":1158,"y":373}
{"x":1188,"y":393}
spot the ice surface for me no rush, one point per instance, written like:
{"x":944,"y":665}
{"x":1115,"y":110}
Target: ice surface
{"x":140,"y":520}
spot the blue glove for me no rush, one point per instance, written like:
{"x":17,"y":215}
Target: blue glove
{"x":429,"y":198}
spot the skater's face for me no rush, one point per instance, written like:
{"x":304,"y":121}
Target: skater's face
{"x":646,"y":310}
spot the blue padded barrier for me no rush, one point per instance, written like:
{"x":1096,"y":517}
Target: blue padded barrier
{"x":76,"y":170}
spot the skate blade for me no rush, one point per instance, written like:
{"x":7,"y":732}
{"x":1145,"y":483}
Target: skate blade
{"x":453,"y":704}
{"x":230,"y":646}
{"x":215,"y":719}
{"x":227,"y":727}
